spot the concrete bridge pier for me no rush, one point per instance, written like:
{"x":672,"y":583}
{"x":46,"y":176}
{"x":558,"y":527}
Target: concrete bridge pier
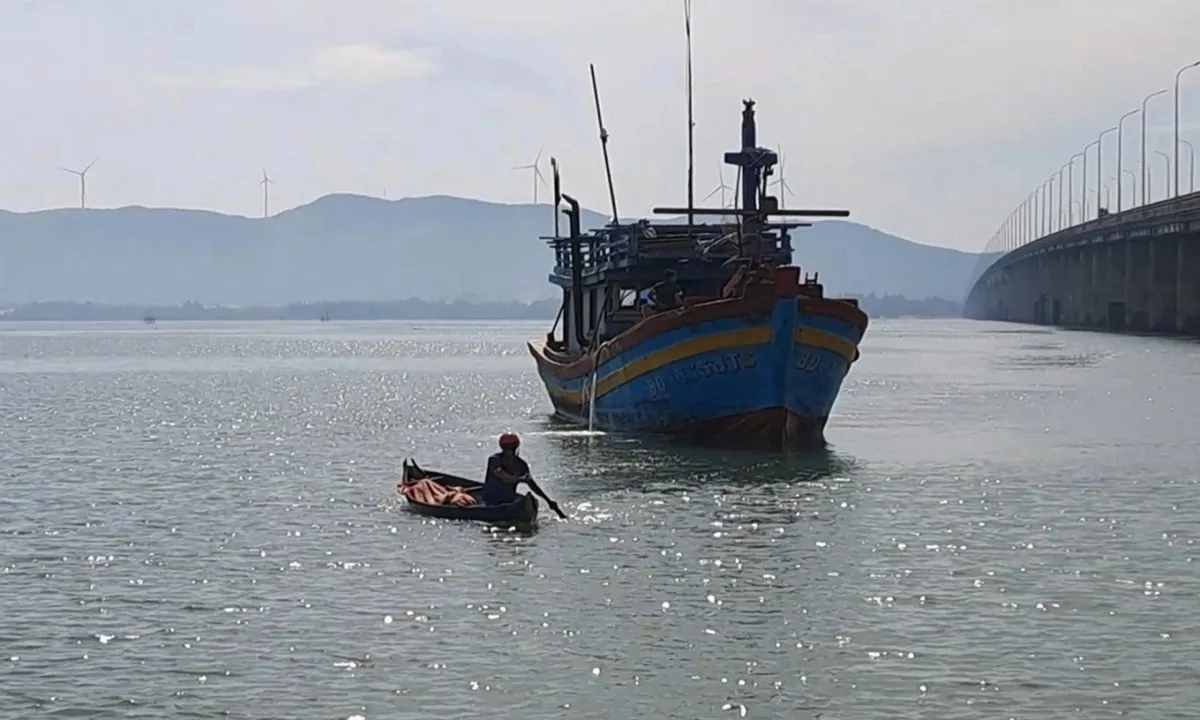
{"x":1112,"y":312}
{"x":1096,"y":266}
{"x":1048,"y":287}
{"x":1187,"y":284}
{"x":1164,"y":254}
{"x":1093,"y":281}
{"x":1137,"y":284}
{"x":1037,"y":284}
{"x":1081,"y":282}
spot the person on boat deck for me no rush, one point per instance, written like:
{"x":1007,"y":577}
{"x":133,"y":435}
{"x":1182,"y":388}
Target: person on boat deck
{"x":666,"y":294}
{"x":505,"y":470}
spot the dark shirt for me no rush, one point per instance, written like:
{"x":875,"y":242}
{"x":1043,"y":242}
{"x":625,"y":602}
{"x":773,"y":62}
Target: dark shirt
{"x":665,"y":295}
{"x":496,"y":491}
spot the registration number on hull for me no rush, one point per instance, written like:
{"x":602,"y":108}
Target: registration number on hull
{"x":699,"y":370}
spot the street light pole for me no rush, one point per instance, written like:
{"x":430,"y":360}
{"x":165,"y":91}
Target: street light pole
{"x":1071,"y":187}
{"x":1031,"y":217}
{"x":1167,"y":174}
{"x":1061,"y":224}
{"x":1191,"y":165}
{"x":1083,"y":211}
{"x":1099,"y":163}
{"x":1022,"y":222}
{"x":1121,"y":144}
{"x":1038,"y":213}
{"x":1149,"y":97}
{"x":1182,"y":70}
{"x":1047,"y":199}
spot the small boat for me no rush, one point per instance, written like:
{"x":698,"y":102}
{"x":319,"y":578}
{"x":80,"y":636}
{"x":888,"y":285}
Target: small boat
{"x":522,"y":512}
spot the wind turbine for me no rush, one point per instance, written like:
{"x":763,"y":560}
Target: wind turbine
{"x":537,"y":173}
{"x":82,"y":181}
{"x":266,"y":186}
{"x":722,"y":188}
{"x":784,"y":188}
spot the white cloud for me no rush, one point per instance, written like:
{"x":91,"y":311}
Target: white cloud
{"x":354,"y":63}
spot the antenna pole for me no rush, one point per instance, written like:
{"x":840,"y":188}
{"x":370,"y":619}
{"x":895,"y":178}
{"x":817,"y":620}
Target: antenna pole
{"x":612,"y":193}
{"x":557,"y":193}
{"x":691,"y":179}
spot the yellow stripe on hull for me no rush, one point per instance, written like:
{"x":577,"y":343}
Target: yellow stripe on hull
{"x":737,"y":339}
{"x":673,"y":354}
{"x":827,"y":341}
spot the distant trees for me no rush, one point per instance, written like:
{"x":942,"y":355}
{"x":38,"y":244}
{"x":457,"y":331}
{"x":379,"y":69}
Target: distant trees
{"x":412,"y":309}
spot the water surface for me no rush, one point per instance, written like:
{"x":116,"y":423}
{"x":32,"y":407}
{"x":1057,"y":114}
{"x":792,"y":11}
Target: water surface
{"x":200,"y":519}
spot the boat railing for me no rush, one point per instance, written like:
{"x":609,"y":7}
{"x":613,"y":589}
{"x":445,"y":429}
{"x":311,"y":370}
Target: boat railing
{"x":626,"y":245}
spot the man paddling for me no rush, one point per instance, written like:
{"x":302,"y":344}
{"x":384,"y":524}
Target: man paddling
{"x":505,"y":471}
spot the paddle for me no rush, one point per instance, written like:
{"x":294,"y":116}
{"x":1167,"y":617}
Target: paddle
{"x":538,"y":491}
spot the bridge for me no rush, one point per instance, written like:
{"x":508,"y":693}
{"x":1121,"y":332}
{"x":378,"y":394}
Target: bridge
{"x":1077,"y":253}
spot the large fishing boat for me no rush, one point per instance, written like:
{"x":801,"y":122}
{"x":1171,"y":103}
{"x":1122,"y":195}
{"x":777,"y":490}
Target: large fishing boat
{"x":755,"y":355}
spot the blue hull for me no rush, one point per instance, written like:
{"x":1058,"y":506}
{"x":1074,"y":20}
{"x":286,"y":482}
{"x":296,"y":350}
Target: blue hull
{"x":763,"y":380}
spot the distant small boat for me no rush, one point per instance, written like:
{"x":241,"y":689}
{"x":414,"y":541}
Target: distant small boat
{"x":149,"y":319}
{"x":325,"y":315}
{"x":523,"y":512}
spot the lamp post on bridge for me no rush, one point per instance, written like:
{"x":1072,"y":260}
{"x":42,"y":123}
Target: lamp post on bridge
{"x":1071,"y":186}
{"x":1179,"y":74}
{"x":1120,"y":144}
{"x":1133,"y":182}
{"x":1031,"y":217}
{"x":1191,"y":165}
{"x":1061,"y":220}
{"x":1099,"y":162}
{"x":1167,"y":175}
{"x":1041,"y":209}
{"x":1149,"y":97}
{"x":1024,"y":236}
{"x":1019,"y":227}
{"x":1083,"y":215}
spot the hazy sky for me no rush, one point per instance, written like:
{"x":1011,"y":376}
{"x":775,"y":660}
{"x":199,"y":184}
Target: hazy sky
{"x":930,"y":119}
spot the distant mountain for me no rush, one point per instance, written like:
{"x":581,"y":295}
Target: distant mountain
{"x":350,"y":247}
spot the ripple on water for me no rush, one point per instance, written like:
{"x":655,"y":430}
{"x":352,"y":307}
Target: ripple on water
{"x":204,"y":522}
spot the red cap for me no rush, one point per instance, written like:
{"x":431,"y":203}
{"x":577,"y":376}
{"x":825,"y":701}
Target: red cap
{"x":509,"y":441}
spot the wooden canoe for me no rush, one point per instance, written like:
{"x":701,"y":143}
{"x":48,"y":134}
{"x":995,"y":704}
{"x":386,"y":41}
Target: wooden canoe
{"x":522,"y":512}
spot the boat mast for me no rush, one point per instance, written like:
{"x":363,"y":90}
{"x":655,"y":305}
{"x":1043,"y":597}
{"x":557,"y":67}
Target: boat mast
{"x":557,"y":193}
{"x":612,"y":193}
{"x":691,"y":171}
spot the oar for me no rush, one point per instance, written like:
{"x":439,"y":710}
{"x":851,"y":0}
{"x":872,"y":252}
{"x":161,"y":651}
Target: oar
{"x":538,"y":491}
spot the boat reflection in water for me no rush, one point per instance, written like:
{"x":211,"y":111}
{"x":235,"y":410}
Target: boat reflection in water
{"x":585,"y":464}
